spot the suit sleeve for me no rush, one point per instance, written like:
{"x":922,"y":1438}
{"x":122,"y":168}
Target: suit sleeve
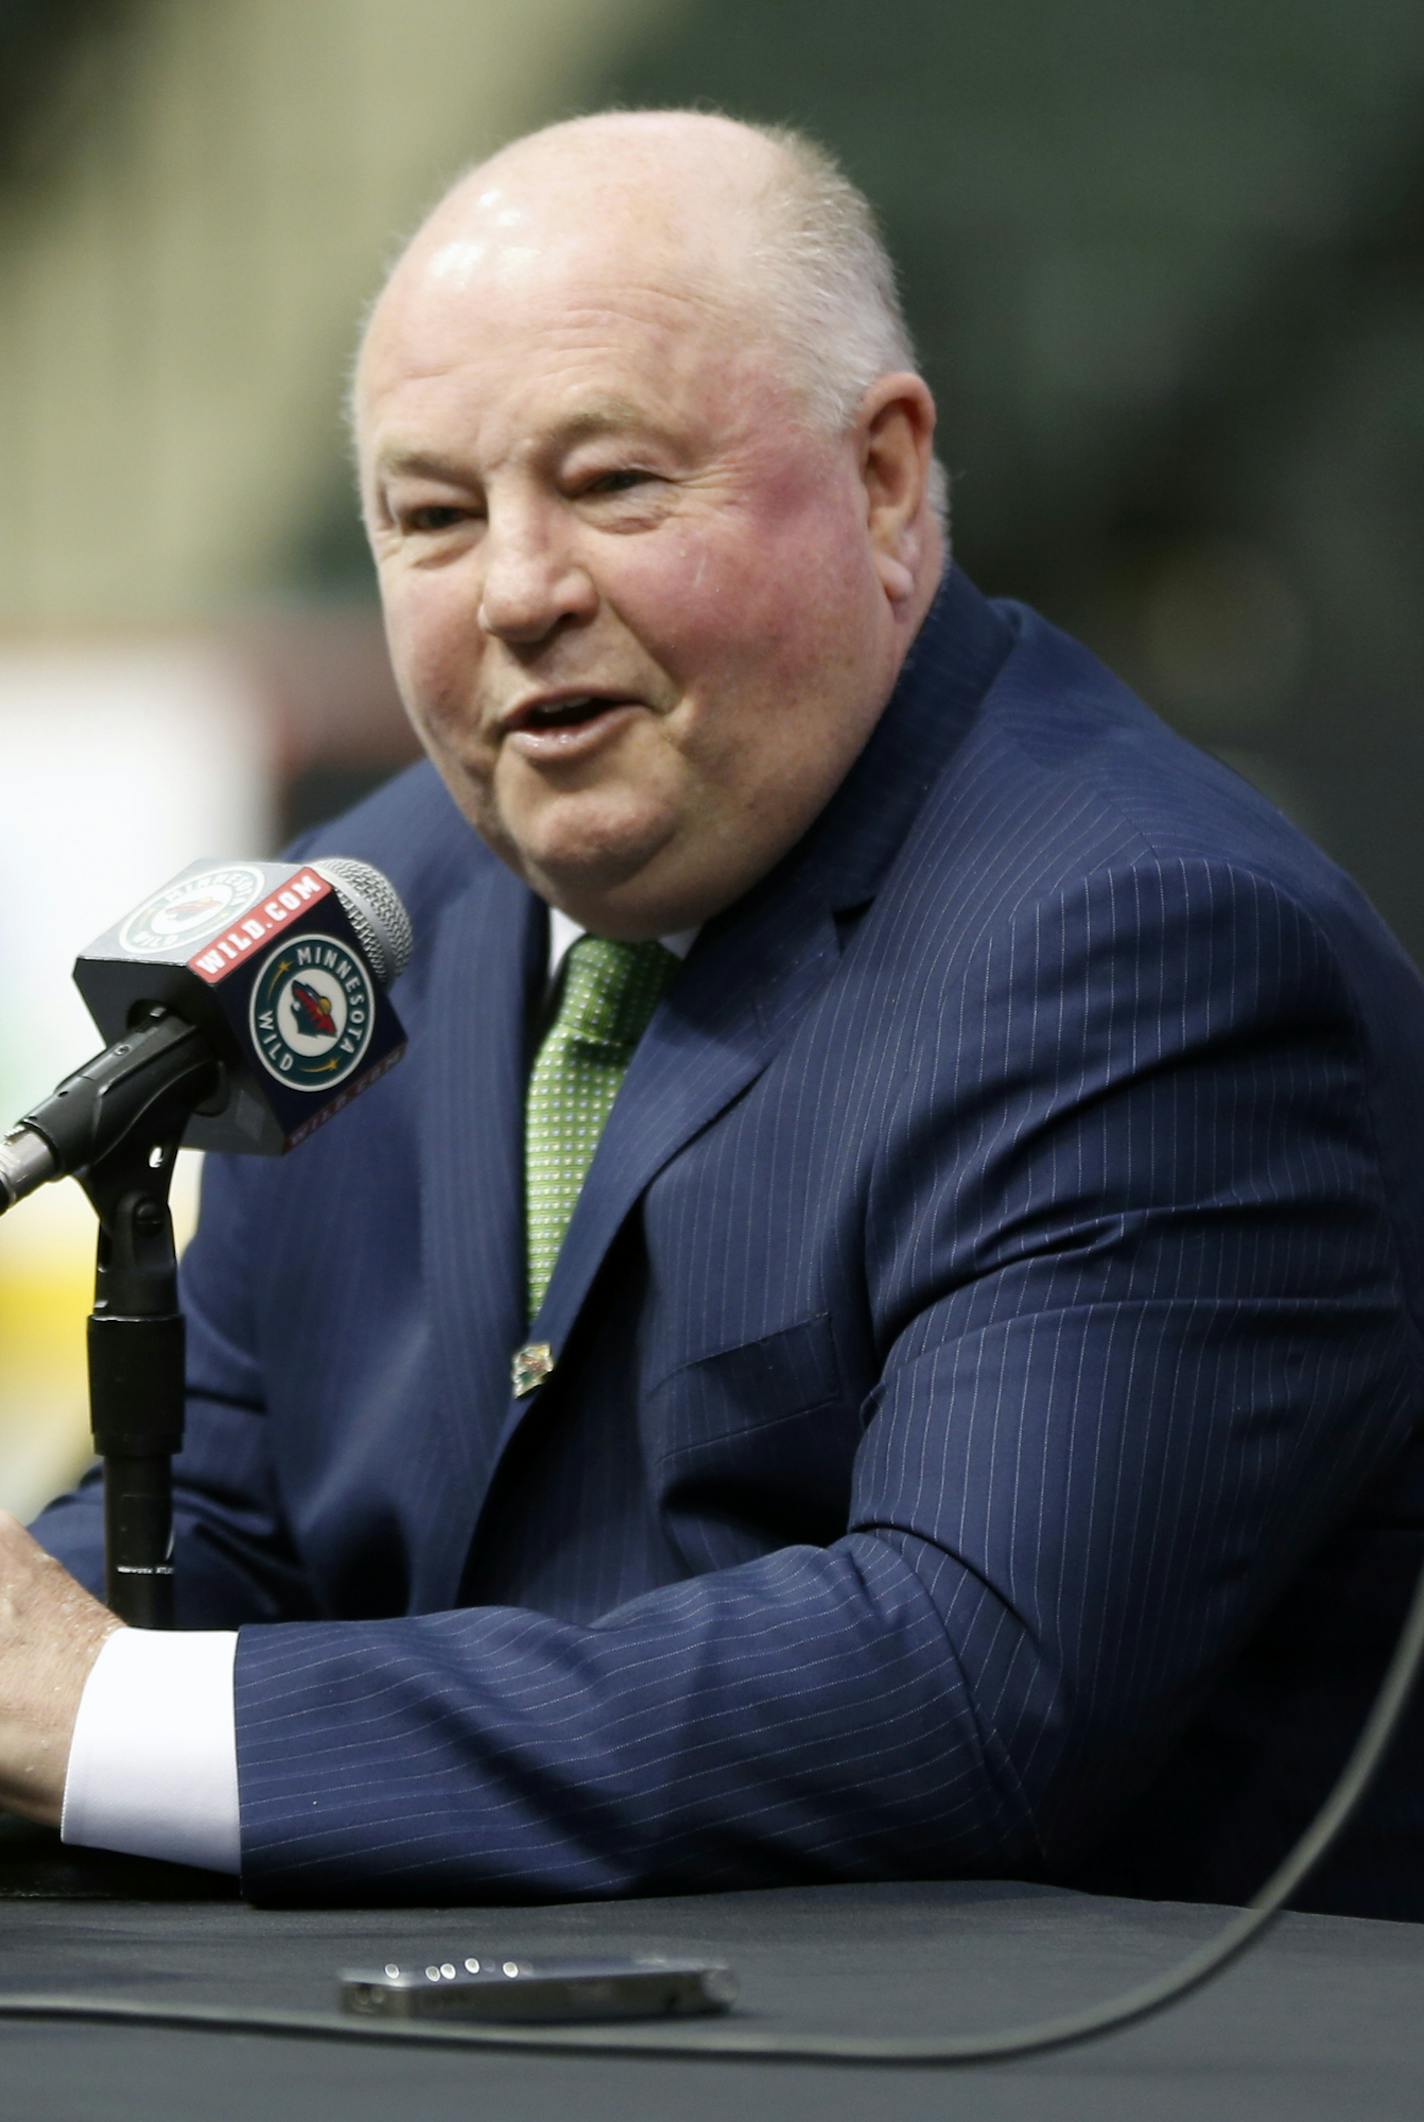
{"x":1136,"y":1286}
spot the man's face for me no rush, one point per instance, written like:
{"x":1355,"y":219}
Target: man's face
{"x":630,"y":598}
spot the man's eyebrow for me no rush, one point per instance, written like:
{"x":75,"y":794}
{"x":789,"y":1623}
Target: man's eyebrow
{"x":419,"y":464}
{"x":602,"y":416}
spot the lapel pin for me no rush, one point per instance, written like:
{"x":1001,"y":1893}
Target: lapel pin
{"x":531,"y":1366}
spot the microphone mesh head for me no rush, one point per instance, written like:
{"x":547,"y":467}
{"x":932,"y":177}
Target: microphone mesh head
{"x":375,"y":910}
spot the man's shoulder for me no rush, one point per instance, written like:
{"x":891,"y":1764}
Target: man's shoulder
{"x":1066,"y":799}
{"x":1066,"y":771}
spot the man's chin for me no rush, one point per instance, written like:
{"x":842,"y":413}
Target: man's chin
{"x":614,"y":886}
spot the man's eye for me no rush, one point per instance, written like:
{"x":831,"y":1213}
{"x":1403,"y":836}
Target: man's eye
{"x":432,"y":516}
{"x":617,"y":482}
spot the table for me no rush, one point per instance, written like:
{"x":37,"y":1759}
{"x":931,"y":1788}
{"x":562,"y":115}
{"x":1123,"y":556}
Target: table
{"x":1324,"y":2019}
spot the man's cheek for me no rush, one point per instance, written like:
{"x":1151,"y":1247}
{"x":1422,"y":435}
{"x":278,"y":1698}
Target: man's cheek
{"x":726,"y":626}
{"x":436,"y":681}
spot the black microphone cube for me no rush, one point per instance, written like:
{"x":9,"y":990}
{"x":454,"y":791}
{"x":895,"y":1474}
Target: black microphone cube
{"x":262,"y":957}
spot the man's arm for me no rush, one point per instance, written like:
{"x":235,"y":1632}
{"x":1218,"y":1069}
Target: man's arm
{"x":1136,"y":1274}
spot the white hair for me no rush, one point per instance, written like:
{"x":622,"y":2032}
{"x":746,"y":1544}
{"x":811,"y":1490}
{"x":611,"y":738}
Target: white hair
{"x":830,"y":286}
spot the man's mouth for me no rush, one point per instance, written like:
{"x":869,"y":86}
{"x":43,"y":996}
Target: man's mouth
{"x":562,"y":714}
{"x":565,"y":725}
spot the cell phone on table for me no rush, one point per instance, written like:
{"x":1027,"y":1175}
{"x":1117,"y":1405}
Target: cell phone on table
{"x":505,"y":1986}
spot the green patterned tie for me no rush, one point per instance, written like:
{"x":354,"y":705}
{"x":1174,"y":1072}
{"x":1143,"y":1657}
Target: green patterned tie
{"x":610,"y":992}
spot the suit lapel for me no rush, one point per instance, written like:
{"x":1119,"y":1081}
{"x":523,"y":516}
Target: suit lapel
{"x":715,"y":1030}
{"x":487,"y":967}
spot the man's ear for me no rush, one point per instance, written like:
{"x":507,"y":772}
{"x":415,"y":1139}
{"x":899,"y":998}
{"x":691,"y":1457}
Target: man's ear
{"x":896,"y":433}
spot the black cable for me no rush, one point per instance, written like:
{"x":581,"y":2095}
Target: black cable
{"x":734,"y":2042}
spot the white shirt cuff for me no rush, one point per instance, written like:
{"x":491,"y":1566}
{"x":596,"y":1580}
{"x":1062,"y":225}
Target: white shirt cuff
{"x":153,"y":1763}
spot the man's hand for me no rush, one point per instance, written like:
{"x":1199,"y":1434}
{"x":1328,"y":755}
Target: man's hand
{"x":50,"y":1633}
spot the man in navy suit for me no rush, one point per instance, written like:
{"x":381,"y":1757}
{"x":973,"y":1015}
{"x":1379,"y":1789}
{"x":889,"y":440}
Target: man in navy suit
{"x":971,"y":1425}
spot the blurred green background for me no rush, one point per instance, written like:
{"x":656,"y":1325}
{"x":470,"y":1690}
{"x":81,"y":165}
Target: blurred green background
{"x":1163,"y":263}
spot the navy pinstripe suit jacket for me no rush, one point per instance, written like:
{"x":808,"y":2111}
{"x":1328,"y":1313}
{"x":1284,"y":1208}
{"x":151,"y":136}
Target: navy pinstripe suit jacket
{"x":982,"y":1429}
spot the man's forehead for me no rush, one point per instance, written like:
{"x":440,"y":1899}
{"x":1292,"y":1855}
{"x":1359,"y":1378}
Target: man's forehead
{"x":591,"y":328}
{"x":629,"y":306}
{"x":570,"y":250}
{"x":466,"y":285}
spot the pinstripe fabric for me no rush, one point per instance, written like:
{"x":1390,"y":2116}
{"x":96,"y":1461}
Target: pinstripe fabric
{"x":982,"y":1434}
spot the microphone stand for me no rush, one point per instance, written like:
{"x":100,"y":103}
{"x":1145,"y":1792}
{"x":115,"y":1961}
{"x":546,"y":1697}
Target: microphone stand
{"x":135,"y":1341}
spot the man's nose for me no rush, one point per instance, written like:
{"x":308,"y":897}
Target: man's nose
{"x":533,"y":582}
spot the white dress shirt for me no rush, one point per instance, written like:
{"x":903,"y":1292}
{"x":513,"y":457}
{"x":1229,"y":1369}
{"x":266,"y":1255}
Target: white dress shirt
{"x":153,"y":1762}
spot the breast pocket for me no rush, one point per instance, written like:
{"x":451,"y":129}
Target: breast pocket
{"x":751,"y":1447}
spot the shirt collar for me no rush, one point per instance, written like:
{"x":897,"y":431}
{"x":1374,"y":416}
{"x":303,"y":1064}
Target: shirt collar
{"x":564,"y":934}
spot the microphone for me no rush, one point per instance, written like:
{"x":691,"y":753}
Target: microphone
{"x":247,"y":997}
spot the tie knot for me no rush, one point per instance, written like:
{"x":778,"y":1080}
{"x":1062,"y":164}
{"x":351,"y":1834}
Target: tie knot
{"x":612,"y":989}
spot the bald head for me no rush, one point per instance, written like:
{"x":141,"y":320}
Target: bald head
{"x":681,"y":176}
{"x":678,"y":192}
{"x":759,"y":218}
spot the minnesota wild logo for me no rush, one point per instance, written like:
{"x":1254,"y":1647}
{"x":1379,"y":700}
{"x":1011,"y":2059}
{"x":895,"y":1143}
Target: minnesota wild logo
{"x":311,"y":1012}
{"x":182,"y":914}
